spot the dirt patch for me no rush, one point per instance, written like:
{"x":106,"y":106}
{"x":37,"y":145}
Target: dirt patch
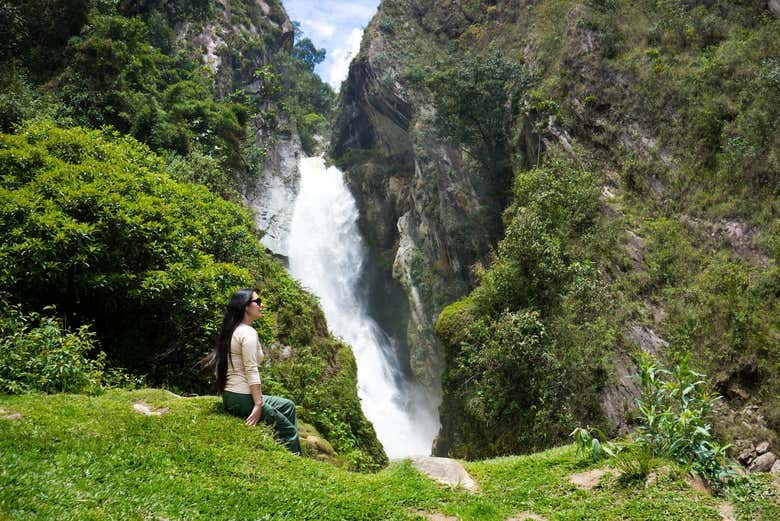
{"x":147,"y":410}
{"x":698,"y":483}
{"x":435,"y":516}
{"x":10,"y":416}
{"x":726,"y":512}
{"x":527,"y":516}
{"x":590,"y":479}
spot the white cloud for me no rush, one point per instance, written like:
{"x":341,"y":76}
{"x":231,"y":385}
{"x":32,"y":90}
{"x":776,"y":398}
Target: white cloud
{"x":319,"y":30}
{"x":335,"y":25}
{"x":342,"y":57}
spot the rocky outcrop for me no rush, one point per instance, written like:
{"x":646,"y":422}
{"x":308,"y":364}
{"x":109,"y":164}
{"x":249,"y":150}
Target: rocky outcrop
{"x":423,"y":202}
{"x":240,"y":37}
{"x":426,"y":208}
{"x":272,"y":199}
{"x":774,"y":7}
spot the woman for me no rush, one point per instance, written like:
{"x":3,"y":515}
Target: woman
{"x":237,"y":358}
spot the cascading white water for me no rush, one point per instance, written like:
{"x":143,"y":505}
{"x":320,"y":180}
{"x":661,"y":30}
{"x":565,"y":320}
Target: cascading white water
{"x":326,"y":253}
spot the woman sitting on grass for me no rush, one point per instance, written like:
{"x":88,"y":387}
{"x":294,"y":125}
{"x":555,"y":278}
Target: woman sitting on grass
{"x":237,"y":358}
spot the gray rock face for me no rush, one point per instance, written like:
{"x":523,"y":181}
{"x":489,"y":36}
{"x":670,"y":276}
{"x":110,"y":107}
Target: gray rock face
{"x":445,"y":470}
{"x":273,"y":198}
{"x":648,"y":340}
{"x":621,"y":396}
{"x":423,"y":203}
{"x":774,"y":6}
{"x":763,"y":463}
{"x":210,"y":43}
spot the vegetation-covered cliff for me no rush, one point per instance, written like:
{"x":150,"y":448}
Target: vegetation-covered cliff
{"x":591,"y":179}
{"x":131,"y":132}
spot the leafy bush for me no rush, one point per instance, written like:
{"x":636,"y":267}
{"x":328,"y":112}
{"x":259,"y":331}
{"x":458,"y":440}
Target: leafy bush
{"x":475,"y":99}
{"x":513,"y":354}
{"x":587,"y":441}
{"x":674,"y":412}
{"x":37,"y":353}
{"x":92,"y":224}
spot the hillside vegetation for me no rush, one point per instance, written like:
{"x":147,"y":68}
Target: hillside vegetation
{"x":587,"y":180}
{"x":123,"y":157}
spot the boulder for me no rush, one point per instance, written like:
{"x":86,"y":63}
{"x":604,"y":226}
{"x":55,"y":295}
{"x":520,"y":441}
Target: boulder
{"x":445,"y":470}
{"x":148,"y":410}
{"x":774,"y":6}
{"x":762,"y":448}
{"x":763,"y":463}
{"x":775,"y":468}
{"x":746,"y":456}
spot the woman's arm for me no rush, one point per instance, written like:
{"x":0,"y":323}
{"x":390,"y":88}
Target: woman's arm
{"x":250,"y":353}
{"x":257,"y":410}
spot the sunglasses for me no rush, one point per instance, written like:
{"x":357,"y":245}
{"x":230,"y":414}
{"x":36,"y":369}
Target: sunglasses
{"x":256,"y":301}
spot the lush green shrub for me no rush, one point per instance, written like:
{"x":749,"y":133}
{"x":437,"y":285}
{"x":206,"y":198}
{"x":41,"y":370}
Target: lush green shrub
{"x":115,"y":77}
{"x":535,"y":325}
{"x":589,"y":445}
{"x":37,"y":353}
{"x":475,"y":98}
{"x":674,"y":414}
{"x":93,"y":224}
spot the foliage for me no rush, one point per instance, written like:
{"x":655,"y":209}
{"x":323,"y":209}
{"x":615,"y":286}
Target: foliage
{"x":635,"y":462}
{"x":674,"y":412}
{"x":37,"y":353}
{"x":92,"y":224}
{"x":304,"y":98}
{"x":20,"y":101}
{"x":512,"y":354}
{"x":122,"y":64}
{"x":587,"y":442}
{"x":306,"y":51}
{"x":115,"y":77}
{"x":39,"y":30}
{"x":476,"y":99}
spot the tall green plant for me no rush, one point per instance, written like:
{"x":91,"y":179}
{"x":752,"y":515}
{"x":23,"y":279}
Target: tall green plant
{"x":674,"y":410}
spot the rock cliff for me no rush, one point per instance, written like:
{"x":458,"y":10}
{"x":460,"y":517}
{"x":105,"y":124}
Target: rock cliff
{"x":609,"y":92}
{"x":239,"y":38}
{"x":427,"y":208}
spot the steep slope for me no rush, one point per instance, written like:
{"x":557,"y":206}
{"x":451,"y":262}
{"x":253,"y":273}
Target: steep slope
{"x":657,"y":115}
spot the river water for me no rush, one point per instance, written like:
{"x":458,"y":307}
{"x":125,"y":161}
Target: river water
{"x":327,"y":254}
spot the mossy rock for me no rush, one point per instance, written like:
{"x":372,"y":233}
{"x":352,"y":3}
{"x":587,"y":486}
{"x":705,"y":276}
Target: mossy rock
{"x":314,"y":445}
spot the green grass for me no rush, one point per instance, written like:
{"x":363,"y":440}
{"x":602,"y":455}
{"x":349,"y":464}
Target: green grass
{"x":81,"y":457}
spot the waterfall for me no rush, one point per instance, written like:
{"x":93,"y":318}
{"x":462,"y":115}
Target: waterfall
{"x":327,"y":254}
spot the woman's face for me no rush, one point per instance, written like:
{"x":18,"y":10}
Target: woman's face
{"x":253,"y":310}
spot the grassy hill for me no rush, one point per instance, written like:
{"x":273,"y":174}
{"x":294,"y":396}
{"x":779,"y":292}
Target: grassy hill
{"x":79,"y":457}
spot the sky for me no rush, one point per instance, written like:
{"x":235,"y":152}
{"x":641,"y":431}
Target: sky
{"x":335,"y":25}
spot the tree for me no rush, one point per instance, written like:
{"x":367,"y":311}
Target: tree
{"x":475,"y":100}
{"x":305,"y":50}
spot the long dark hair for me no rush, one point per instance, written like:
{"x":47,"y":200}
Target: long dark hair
{"x":234,"y":315}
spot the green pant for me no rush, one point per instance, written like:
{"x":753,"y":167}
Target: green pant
{"x":278,"y":412}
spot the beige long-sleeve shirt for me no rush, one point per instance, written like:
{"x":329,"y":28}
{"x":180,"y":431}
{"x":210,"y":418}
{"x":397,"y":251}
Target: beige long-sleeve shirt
{"x":245,"y":357}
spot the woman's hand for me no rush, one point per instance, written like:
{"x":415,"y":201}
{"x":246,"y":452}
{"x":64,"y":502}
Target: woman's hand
{"x":254,"y":416}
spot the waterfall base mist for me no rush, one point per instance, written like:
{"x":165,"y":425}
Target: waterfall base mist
{"x":327,"y":254}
